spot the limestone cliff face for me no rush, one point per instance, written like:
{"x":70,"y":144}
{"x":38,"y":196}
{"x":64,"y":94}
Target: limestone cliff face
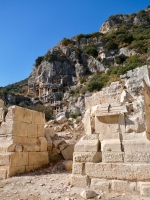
{"x":141,"y":18}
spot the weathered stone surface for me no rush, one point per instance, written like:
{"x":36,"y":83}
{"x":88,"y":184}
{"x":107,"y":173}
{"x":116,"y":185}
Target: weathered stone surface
{"x":43,"y":144}
{"x":3,"y":173}
{"x":133,"y":146}
{"x":87,"y":146}
{"x":31,"y":147}
{"x":4,"y":159}
{"x":79,"y":180}
{"x":68,"y":152}
{"x":40,"y":130}
{"x":19,"y":159}
{"x":1,"y":103}
{"x":77,"y":168}
{"x":38,"y":158}
{"x":113,"y":145}
{"x":18,"y":148}
{"x":87,"y":157}
{"x":25,"y":140}
{"x":123,"y":186}
{"x":113,"y":157}
{"x":133,"y":172}
{"x":1,"y":114}
{"x":61,"y":117}
{"x":16,"y":170}
{"x":144,"y":188}
{"x":101,"y":184}
{"x":138,"y":157}
{"x":50,"y":132}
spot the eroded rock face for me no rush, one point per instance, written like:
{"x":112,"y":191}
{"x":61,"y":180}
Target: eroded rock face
{"x":120,"y":134}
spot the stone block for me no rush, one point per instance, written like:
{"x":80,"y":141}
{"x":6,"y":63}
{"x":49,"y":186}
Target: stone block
{"x":3,"y":173}
{"x":90,"y":137}
{"x":57,"y":142}
{"x":123,"y":186}
{"x":4,"y":158}
{"x":134,"y":146}
{"x":10,"y":148}
{"x":113,"y":145}
{"x":18,"y":148}
{"x":43,"y":144}
{"x":19,"y":129}
{"x":87,"y":146}
{"x":38,"y":158}
{"x":31,"y":130}
{"x":18,"y":159}
{"x":29,"y":168}
{"x":109,"y":136}
{"x":40,"y":130}
{"x":113,"y":157}
{"x":138,"y":157}
{"x":38,"y":117}
{"x":25,"y":140}
{"x":144,"y":188}
{"x":101,"y":184}
{"x":77,"y":168}
{"x":79,"y":180}
{"x":31,"y":147}
{"x":16,"y":170}
{"x":118,"y":171}
{"x":68,"y":152}
{"x":87,"y":157}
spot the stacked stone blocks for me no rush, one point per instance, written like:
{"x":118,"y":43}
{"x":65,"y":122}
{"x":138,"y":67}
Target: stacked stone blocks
{"x":22,"y":142}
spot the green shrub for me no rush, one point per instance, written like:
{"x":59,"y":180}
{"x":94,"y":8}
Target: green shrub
{"x":74,"y":115}
{"x":39,"y":60}
{"x":66,"y":41}
{"x":97,"y":82}
{"x":111,"y":45}
{"x":49,"y":57}
{"x":91,"y":50}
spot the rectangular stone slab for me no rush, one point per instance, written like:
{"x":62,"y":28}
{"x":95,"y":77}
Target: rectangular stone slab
{"x":87,"y":157}
{"x":87,"y":146}
{"x":120,"y":171}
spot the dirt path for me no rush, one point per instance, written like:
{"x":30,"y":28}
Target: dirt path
{"x":50,"y":183}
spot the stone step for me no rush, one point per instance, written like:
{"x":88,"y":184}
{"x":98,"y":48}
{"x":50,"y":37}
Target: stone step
{"x":3,"y":172}
{"x":4,"y":158}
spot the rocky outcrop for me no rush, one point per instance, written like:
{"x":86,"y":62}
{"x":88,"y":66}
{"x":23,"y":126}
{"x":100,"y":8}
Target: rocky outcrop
{"x":141,"y":18}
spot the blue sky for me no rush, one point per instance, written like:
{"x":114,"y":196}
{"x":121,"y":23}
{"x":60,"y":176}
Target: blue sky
{"x":29,"y":28}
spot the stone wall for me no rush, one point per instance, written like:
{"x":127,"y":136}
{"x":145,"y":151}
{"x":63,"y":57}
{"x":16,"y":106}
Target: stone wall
{"x":23,"y":146}
{"x":114,"y":153}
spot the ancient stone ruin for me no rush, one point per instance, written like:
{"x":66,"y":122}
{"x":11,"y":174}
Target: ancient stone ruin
{"x":23,"y":146}
{"x":114,"y":155}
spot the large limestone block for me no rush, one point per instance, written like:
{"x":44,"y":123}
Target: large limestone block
{"x":133,"y":146}
{"x":137,"y":157}
{"x":31,"y":130}
{"x":101,"y":184}
{"x":40,"y":130}
{"x":109,"y":136}
{"x":113,"y":145}
{"x":19,"y":129}
{"x":118,"y":171}
{"x":16,"y":170}
{"x":77,"y":168}
{"x":87,"y":146}
{"x":31,"y":147}
{"x":25,"y":140}
{"x":87,"y":157}
{"x":38,"y":117}
{"x":90,"y":137}
{"x":4,"y":159}
{"x":1,"y":103}
{"x":38,"y":158}
{"x":68,"y":152}
{"x":123,"y":186}
{"x":79,"y":180}
{"x":43,"y":144}
{"x":113,"y":157}
{"x":18,"y":159}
